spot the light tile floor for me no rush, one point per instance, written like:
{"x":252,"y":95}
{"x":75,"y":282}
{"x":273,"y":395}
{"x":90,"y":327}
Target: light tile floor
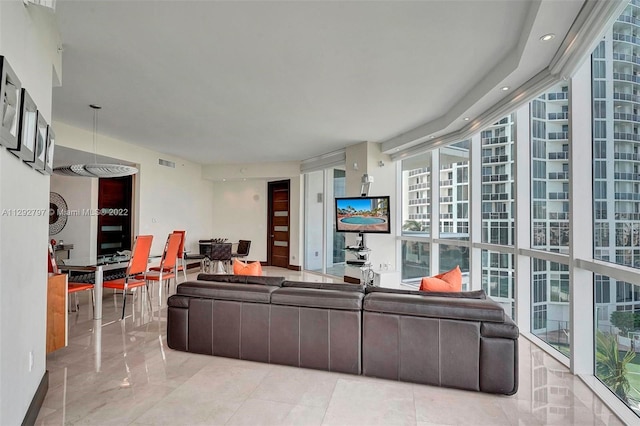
{"x":122,"y":372}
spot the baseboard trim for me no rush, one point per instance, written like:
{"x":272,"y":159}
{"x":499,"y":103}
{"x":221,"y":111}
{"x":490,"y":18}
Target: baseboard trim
{"x":262,"y":263}
{"x":351,"y":280}
{"x":36,"y":402}
{"x":294,"y":267}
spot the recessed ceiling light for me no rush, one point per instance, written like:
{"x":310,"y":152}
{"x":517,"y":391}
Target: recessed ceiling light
{"x":466,"y":119}
{"x":547,"y":37}
{"x":505,"y":88}
{"x":433,"y":137}
{"x":397,"y":149}
{"x":224,"y":180}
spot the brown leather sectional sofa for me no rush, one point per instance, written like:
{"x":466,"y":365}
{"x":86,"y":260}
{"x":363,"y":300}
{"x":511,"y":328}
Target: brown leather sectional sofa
{"x":458,"y":340}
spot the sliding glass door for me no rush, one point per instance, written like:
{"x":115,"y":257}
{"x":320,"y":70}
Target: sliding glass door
{"x":324,"y":247}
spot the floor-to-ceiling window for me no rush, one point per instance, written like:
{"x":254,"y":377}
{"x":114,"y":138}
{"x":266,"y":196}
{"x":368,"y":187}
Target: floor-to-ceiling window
{"x":549,"y":153}
{"x":416,"y":218}
{"x":324,"y":247}
{"x":616,"y":204}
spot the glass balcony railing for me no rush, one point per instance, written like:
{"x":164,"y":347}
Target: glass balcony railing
{"x":419,"y":216}
{"x":496,"y":215}
{"x":557,"y":96}
{"x":418,"y":171}
{"x":558,"y":195}
{"x":627,"y":58}
{"x":495,"y":159}
{"x":558,"y":116}
{"x":559,"y":175}
{"x":627,"y":117}
{"x":495,"y":178}
{"x":626,"y":97}
{"x":558,"y":135}
{"x":627,"y":196}
{"x":496,"y":197}
{"x":627,"y":77}
{"x":558,"y":155}
{"x":493,"y":141}
{"x":626,"y":156}
{"x":418,"y":186}
{"x":626,"y":136}
{"x":559,"y":216}
{"x":626,"y":176}
{"x":627,"y":216}
{"x":417,"y":201}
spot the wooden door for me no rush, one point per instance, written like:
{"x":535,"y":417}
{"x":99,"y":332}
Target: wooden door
{"x":114,"y":218}
{"x":278,"y":236}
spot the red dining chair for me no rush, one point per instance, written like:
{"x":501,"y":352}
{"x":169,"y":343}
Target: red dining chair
{"x":165,"y":271}
{"x":180,"y":264}
{"x":138,"y":264}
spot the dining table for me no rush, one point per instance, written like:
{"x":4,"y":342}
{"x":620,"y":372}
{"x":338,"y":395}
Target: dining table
{"x":94,"y":269}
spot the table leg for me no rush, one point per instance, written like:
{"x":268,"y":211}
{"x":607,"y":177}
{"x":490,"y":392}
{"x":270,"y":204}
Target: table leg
{"x":97,"y":290}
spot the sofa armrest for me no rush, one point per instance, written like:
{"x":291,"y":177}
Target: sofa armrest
{"x":506,"y":330}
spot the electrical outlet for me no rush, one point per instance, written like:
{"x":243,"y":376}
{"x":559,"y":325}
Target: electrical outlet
{"x":317,"y":254}
{"x":30,"y":361}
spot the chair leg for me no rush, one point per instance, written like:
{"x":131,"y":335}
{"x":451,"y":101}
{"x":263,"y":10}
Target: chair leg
{"x":124,"y":301}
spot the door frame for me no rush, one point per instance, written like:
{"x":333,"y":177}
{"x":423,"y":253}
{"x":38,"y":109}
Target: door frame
{"x":270,"y":189}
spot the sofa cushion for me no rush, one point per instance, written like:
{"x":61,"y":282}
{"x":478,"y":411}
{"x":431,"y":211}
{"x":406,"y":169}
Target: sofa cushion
{"x":315,"y":298}
{"x":242,"y":279}
{"x":325,"y":286}
{"x":435,"y":307}
{"x":258,"y":293}
{"x":448,"y":281}
{"x":476,"y":294}
{"x":241,"y":268}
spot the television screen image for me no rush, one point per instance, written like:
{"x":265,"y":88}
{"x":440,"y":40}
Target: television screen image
{"x":363,"y":214}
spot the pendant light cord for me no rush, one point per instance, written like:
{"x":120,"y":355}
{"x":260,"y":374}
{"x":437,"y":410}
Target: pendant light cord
{"x":95,"y":132}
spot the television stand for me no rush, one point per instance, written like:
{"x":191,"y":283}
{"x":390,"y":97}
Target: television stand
{"x":361,"y":261}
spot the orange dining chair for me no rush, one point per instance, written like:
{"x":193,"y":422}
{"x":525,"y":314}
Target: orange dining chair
{"x":72,"y":288}
{"x":165,"y":271}
{"x":138,"y":264}
{"x":180,"y":264}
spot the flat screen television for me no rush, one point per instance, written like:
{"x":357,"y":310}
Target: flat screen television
{"x":369,"y":215}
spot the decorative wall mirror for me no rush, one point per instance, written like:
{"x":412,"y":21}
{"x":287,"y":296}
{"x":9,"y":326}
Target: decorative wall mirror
{"x":40,"y":143}
{"x":27,"y":131}
{"x":51,"y":142}
{"x":10,"y":106}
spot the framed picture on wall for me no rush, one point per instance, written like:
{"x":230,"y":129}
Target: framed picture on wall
{"x":51,"y":142}
{"x":27,"y":131}
{"x":41,"y":143}
{"x":10,"y":98}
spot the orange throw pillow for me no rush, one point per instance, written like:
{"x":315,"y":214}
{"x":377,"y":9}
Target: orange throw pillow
{"x":450,"y":281}
{"x":241,"y":268}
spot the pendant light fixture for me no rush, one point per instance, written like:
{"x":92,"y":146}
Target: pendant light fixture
{"x":95,"y":169}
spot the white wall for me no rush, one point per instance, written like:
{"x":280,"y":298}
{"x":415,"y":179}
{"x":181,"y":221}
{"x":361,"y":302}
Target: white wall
{"x":240,"y":213}
{"x":314,"y":211}
{"x":236,"y":213}
{"x":81,"y":230}
{"x":165,"y":198}
{"x":363,"y":158}
{"x":28,"y":41}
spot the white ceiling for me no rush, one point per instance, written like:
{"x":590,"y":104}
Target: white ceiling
{"x":240,"y":81}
